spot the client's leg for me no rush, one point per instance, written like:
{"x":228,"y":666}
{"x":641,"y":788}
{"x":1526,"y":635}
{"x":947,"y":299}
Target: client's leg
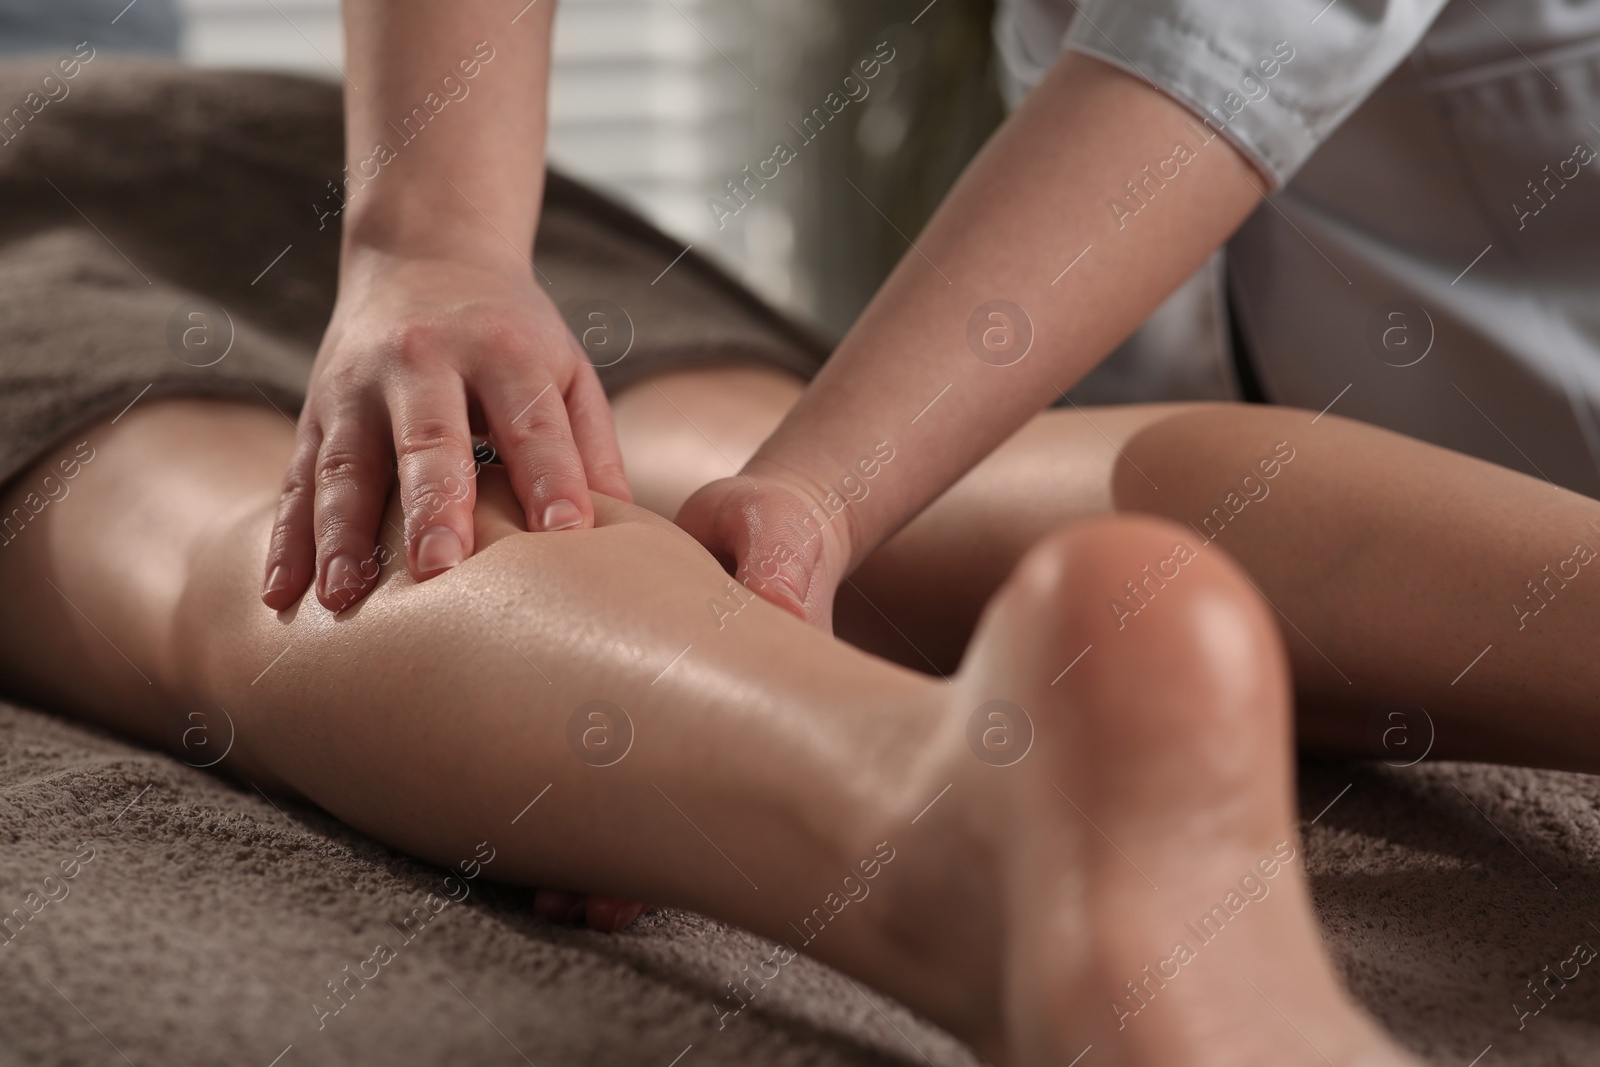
{"x":1040,"y":860}
{"x":1403,"y":574}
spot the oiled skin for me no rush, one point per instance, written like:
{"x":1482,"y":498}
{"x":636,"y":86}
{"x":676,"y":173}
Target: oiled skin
{"x":768,"y":758}
{"x":1390,"y":564}
{"x":422,"y":715}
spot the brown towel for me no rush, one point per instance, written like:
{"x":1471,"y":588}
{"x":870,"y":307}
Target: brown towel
{"x":148,"y":191}
{"x":209,"y":920}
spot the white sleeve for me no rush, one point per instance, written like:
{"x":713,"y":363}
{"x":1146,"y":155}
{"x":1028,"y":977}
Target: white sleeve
{"x":1276,"y":77}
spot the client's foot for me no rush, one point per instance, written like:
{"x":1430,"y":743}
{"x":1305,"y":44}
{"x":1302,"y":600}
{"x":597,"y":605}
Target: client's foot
{"x":1138,"y":864}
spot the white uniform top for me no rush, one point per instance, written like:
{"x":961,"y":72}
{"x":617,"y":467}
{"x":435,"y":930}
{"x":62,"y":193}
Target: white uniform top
{"x":1432,"y":256}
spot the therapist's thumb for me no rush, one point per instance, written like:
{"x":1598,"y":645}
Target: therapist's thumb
{"x":773,"y":539}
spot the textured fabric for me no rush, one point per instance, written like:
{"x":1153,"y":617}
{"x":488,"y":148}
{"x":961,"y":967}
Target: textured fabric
{"x":149,"y":188}
{"x":1431,"y":265}
{"x":207,"y":921}
{"x":210,"y":919}
{"x":1437,"y":256}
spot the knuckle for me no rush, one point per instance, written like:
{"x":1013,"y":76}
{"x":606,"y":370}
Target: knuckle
{"x":427,"y":500}
{"x":507,"y":337}
{"x":297,"y":485}
{"x":555,"y":453}
{"x":336,"y":532}
{"x":427,"y":433}
{"x":282,"y":541}
{"x":536,"y":427}
{"x":348,"y":378}
{"x":338,"y":467}
{"x":416,"y":345}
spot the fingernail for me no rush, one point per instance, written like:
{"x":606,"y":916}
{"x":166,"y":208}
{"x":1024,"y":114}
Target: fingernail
{"x":625,"y":916}
{"x":561,"y":515}
{"x":438,"y":549}
{"x":276,"y":580}
{"x":782,"y":595}
{"x":343,"y":574}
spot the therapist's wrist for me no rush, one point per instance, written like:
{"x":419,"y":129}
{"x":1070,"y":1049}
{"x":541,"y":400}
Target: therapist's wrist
{"x":845,"y":507}
{"x":443,"y":226}
{"x":367,"y":261}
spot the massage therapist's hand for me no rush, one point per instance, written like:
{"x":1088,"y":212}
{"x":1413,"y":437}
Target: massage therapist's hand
{"x":419,"y":353}
{"x":786,"y":540}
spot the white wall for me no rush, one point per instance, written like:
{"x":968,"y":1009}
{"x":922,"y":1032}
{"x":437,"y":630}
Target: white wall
{"x":652,"y":100}
{"x":298,"y":35}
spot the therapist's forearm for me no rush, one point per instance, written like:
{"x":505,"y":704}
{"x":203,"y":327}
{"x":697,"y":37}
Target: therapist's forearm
{"x":1038,"y":194}
{"x":445,"y":109}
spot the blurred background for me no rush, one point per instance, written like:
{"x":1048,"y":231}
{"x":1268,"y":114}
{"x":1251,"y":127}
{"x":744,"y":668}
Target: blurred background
{"x":662,"y":102}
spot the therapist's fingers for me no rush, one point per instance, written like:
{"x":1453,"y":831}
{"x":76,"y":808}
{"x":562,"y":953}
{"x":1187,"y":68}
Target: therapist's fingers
{"x":352,"y":476}
{"x":773,"y":535}
{"x":433,"y":447}
{"x":527,"y":418}
{"x":606,"y":914}
{"x":291,"y":552}
{"x":760,"y":534}
{"x":558,"y":906}
{"x":595,"y":433}
{"x":610,"y":915}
